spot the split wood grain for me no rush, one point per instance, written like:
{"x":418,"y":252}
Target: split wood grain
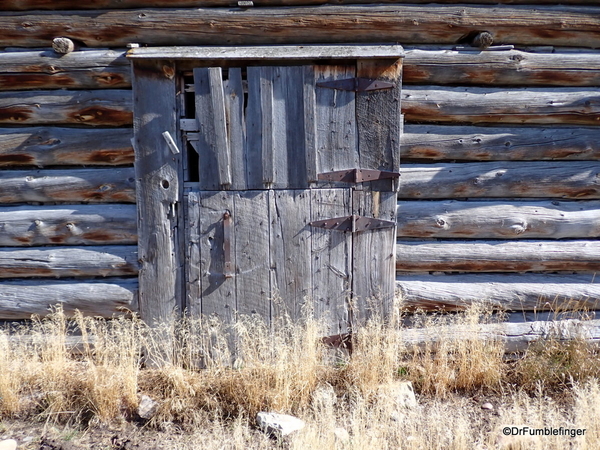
{"x":498,"y":256}
{"x":470,"y":143}
{"x":564,"y":179}
{"x":56,"y":146}
{"x":522,"y":292}
{"x":515,"y":337}
{"x":475,"y":105}
{"x":499,"y":219}
{"x":502,"y":68}
{"x":25,"y":5}
{"x":73,"y":185}
{"x":62,"y":262}
{"x":68,"y":225}
{"x":409,"y":24}
{"x":159,"y":194}
{"x":90,"y":69}
{"x":107,"y":107}
{"x":19,"y":299}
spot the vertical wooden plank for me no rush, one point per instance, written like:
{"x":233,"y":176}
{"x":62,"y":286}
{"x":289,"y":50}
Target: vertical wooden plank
{"x":291,"y":279}
{"x":374,"y":256}
{"x":251,"y":222}
{"x":217,"y":291}
{"x":331,"y":260}
{"x":234,"y":103}
{"x":159,"y":191}
{"x":336,"y":121}
{"x":212,"y":145}
{"x":310,"y":123}
{"x":378,"y":116}
{"x":259,"y":137}
{"x":193,"y":292}
{"x":379,"y":127}
{"x":289,"y":157}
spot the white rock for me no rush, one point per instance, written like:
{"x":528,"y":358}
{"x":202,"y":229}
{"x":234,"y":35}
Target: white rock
{"x":488,"y":406}
{"x":8,"y":444}
{"x":341,"y":434}
{"x":324,"y":397}
{"x":400,"y":392}
{"x":278,"y":424}
{"x":147,"y":407}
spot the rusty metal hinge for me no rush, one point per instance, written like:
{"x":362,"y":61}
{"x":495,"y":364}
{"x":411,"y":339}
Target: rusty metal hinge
{"x":353,"y":223}
{"x":356,"y":84}
{"x":228,"y":266}
{"x":357,"y":175}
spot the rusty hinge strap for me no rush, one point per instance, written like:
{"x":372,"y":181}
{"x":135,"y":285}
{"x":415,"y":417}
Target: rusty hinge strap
{"x":356,"y":84}
{"x":352,"y":223}
{"x":228,"y":266}
{"x":357,"y":175}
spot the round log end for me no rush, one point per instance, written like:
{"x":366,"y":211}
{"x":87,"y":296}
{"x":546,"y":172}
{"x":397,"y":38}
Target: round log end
{"x":63,"y":45}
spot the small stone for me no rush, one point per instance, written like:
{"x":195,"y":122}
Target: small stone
{"x":279,"y":425}
{"x":147,"y":407}
{"x":341,"y":434}
{"x":8,"y":444}
{"x":401,"y":393}
{"x":324,"y":397}
{"x":488,"y":406}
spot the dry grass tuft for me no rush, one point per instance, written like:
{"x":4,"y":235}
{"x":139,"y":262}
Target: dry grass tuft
{"x":207,"y":375}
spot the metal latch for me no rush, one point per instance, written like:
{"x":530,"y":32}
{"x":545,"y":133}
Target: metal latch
{"x":228,"y":266}
{"x":356,"y":84}
{"x":352,"y":223}
{"x":357,"y":175}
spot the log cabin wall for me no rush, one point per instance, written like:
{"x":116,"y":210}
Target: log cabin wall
{"x":499,"y":196}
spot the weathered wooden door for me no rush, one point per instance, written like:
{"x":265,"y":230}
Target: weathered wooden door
{"x":289,"y":204}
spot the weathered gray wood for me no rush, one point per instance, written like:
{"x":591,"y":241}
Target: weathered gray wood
{"x":193,"y":261}
{"x":499,"y":219}
{"x":291,"y":252}
{"x":108,"y":107}
{"x":252,"y":254}
{"x":507,"y":68}
{"x":95,"y":69}
{"x":378,"y":116}
{"x":19,"y":299}
{"x":234,"y":103}
{"x":74,"y":185}
{"x":373,"y":257}
{"x":258,"y":120}
{"x":310,"y":123}
{"x":289,"y":154}
{"x":510,"y":292}
{"x":498,"y":256}
{"x":54,"y":146}
{"x":336,"y":140}
{"x":331,"y":261}
{"x":565,"y":179}
{"x":409,"y":24}
{"x":159,"y":192}
{"x":496,"y":144}
{"x":270,"y":52}
{"x":515,"y":337}
{"x":67,"y":225}
{"x":267,"y":125}
{"x":24,"y":5}
{"x":61,"y":262}
{"x":213,"y":145}
{"x":216,"y":290}
{"x":475,"y":105}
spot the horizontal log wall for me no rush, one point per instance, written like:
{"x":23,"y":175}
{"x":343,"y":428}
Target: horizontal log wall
{"x":54,"y":113}
{"x":25,"y":5}
{"x":408,"y":24}
{"x":531,"y":113}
